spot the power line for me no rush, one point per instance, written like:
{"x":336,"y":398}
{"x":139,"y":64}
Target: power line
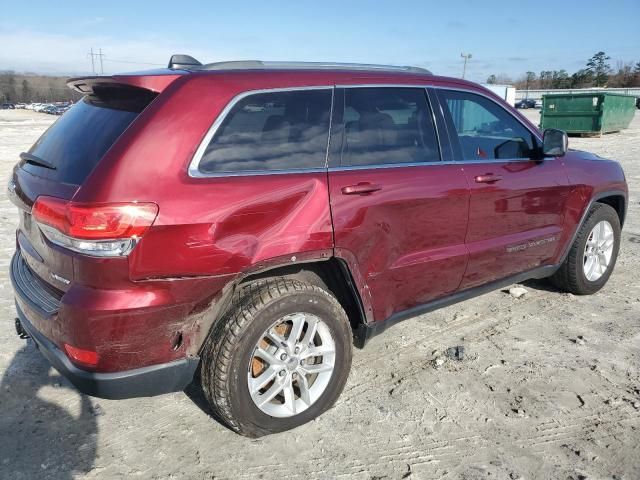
{"x":103,"y":58}
{"x":115,"y":60}
{"x":93,"y":63}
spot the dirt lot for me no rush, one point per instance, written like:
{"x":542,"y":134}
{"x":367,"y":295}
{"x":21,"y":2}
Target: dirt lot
{"x":549,"y":387}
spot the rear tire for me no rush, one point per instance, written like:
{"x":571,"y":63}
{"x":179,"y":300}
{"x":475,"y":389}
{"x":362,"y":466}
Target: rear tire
{"x":585,"y":270}
{"x":260,"y":324}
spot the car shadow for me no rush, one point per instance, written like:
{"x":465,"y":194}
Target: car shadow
{"x":38,"y":438}
{"x":542,"y":284}
{"x":196,"y":395}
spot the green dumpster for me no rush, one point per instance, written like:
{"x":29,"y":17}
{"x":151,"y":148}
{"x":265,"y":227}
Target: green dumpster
{"x":587,"y":113}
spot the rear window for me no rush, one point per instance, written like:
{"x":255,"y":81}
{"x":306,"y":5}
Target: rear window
{"x":77,"y":141}
{"x":272,"y":131}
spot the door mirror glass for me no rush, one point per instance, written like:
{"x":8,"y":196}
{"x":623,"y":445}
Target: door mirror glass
{"x":554,"y":143}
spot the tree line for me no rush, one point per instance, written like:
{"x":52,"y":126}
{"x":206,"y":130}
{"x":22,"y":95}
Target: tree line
{"x":25,"y":88}
{"x":596,"y":73}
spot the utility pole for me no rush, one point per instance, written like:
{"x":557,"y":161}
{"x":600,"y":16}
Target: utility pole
{"x":93,"y":67}
{"x":466,"y":57}
{"x":93,"y":63}
{"x":101,"y":67}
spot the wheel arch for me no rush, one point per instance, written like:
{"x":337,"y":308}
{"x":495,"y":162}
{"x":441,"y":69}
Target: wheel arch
{"x":332,"y":273}
{"x":617,"y":201}
{"x":328,"y":272}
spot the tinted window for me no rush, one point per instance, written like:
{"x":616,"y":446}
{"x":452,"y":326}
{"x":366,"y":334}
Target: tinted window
{"x":272,"y":131}
{"x":485,"y":130}
{"x":77,"y":141}
{"x":386,"y":126}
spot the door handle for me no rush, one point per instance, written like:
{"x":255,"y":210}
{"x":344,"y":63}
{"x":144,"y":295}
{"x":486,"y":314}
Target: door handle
{"x":488,"y":178}
{"x":361,"y":189}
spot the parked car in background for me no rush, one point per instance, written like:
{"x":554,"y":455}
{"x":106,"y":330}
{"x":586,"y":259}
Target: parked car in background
{"x":538,"y":103}
{"x":258,"y":219}
{"x":525,"y":103}
{"x":7,"y":106}
{"x":55,"y":109}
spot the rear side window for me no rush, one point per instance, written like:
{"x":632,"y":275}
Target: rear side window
{"x":388,"y":126}
{"x":486,"y":130}
{"x":77,"y":141}
{"x":286,"y":130}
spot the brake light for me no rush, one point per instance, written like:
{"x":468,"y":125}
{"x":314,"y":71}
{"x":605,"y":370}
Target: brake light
{"x":87,"y":358}
{"x":98,"y":229}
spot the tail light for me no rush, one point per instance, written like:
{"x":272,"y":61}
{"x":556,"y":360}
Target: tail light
{"x":104,"y":230}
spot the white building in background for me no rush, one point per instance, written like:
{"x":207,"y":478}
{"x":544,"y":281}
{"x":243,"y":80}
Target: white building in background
{"x":506,"y":92}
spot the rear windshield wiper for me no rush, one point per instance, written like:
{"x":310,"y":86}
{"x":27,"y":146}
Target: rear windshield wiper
{"x":34,"y":160}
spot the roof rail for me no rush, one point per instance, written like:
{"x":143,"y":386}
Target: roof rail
{"x":189,"y":63}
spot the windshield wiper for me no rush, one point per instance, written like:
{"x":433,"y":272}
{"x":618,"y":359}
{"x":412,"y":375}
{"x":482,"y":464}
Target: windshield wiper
{"x":32,"y":159}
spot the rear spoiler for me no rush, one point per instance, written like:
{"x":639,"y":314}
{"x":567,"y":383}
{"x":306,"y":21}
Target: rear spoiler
{"x":153,"y":81}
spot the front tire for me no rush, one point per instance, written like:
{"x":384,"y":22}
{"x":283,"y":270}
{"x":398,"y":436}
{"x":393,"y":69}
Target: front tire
{"x":279,"y":358}
{"x":593,"y":254}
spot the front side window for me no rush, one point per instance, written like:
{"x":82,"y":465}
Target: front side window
{"x":286,"y":130}
{"x":485,"y":130}
{"x":388,"y":126}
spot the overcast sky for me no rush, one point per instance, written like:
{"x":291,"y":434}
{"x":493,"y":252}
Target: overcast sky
{"x":504,"y":37}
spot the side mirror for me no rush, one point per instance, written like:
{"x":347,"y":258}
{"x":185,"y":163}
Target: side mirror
{"x":554,"y":142}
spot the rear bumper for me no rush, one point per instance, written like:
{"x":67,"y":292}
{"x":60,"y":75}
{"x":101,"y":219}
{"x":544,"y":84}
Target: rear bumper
{"x":130,"y":325}
{"x":39,"y":313}
{"x":141,"y":382}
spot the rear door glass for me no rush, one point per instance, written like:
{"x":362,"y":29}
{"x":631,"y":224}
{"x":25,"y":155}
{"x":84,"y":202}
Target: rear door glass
{"x":388,"y":126}
{"x":77,"y":141}
{"x":284,"y":130}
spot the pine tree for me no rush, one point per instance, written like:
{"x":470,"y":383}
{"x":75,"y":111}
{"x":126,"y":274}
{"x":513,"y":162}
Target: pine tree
{"x":599,"y":68}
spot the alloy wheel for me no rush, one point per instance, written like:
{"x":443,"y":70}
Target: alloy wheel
{"x":598,"y":251}
{"x":291,"y":365}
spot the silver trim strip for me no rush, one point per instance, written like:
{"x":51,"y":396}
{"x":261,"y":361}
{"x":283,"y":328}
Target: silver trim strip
{"x":385,"y":85}
{"x":194,"y":171}
{"x":390,"y":165}
{"x":461,"y":163}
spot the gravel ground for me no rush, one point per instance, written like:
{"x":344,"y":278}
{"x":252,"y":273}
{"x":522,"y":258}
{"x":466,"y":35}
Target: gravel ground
{"x":549,"y":387}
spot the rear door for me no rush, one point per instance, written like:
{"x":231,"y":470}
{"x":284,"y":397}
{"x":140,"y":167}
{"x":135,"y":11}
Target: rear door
{"x":59,"y":162}
{"x":517,"y":204}
{"x":399,"y":211}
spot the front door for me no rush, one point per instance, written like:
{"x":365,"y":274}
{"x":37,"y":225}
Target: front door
{"x":399,"y":213}
{"x":517,"y":199}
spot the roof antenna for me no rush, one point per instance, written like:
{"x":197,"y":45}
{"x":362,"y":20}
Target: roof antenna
{"x":183,"y":61}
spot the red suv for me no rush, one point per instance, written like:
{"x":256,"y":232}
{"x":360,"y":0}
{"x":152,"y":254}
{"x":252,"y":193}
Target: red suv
{"x":245,"y":223}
